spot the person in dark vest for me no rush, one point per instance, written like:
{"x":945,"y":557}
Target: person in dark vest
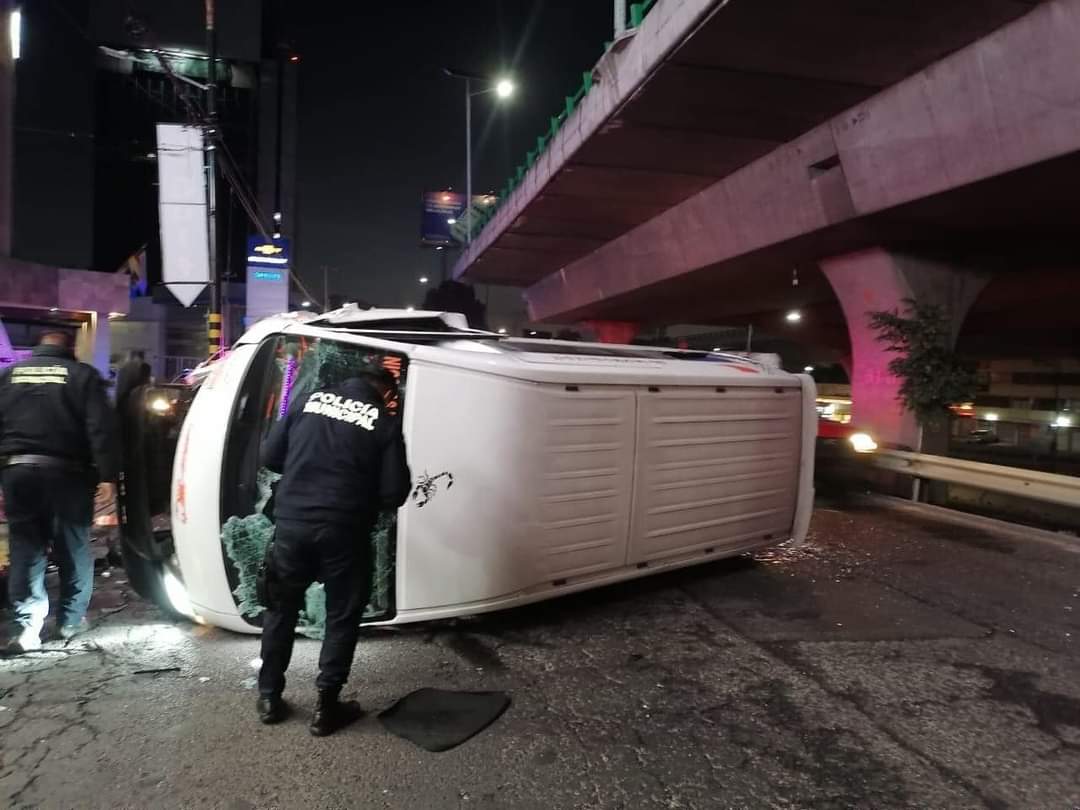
{"x":342,"y":460}
{"x":57,"y":443}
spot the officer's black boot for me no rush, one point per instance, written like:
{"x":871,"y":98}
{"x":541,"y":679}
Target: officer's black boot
{"x":332,"y":714}
{"x":272,"y":709}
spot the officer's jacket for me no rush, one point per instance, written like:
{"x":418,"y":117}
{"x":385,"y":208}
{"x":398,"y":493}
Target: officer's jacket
{"x":341,"y":455}
{"x":53,"y":405}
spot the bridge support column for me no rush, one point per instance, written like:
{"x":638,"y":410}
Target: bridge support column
{"x":613,"y":331}
{"x":879,"y":279}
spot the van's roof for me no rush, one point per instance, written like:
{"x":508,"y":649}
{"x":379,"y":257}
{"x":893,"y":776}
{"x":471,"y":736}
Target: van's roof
{"x":446,"y":338}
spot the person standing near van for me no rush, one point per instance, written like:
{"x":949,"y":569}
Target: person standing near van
{"x":57,"y":443}
{"x":132,"y":375}
{"x":342,"y":460}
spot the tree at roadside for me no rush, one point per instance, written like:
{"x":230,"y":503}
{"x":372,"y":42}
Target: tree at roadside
{"x":453,"y":296}
{"x":932,"y":377}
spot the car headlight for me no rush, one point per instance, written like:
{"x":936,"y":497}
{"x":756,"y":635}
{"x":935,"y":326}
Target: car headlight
{"x":862,"y":442}
{"x":159,"y":405}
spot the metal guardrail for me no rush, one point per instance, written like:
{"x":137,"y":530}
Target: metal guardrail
{"x":1039,"y":486}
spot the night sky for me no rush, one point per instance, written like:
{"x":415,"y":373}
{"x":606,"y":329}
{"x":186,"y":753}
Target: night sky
{"x":380,"y":123}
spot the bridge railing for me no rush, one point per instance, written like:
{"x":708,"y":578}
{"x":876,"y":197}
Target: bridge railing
{"x":1038,"y":486}
{"x":638,"y":12}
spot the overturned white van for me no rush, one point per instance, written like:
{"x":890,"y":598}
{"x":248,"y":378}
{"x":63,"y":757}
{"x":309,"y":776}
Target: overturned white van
{"x":540,"y":467}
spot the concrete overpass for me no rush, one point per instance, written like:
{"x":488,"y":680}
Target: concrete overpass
{"x":926,"y":148}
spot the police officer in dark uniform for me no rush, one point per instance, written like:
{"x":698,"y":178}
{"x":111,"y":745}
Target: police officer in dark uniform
{"x":57,"y":442}
{"x":342,"y":459}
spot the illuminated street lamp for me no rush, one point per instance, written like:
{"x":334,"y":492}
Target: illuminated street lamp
{"x":793,"y":316}
{"x":423,"y":279}
{"x":305,"y":304}
{"x":503,"y":88}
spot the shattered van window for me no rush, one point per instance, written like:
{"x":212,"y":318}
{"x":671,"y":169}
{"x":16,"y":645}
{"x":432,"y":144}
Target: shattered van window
{"x":301,"y":365}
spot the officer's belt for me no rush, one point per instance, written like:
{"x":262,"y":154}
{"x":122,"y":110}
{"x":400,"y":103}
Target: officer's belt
{"x":52,"y":462}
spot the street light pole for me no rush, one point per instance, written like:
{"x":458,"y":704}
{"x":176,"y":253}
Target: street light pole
{"x":503,"y":88}
{"x":468,"y":162}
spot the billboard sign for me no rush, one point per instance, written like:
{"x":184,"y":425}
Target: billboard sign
{"x":441,"y":210}
{"x":444,"y":220}
{"x":268,"y":262}
{"x":185,"y":251}
{"x":481,"y":205}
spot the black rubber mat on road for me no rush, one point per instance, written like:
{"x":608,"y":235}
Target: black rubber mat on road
{"x":438,"y":719}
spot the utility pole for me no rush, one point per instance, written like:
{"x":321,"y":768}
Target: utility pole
{"x":214,"y":332}
{"x":325,"y":288}
{"x":620,"y":18}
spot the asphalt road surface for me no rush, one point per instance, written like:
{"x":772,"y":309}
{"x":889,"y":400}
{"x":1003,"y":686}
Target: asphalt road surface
{"x":893,"y":661}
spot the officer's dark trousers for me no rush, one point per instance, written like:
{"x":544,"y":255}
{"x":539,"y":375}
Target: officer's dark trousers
{"x":47,"y":506}
{"x":338,"y":556}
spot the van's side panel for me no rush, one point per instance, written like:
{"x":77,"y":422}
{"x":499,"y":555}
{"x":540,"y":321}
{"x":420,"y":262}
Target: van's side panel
{"x":541,"y":484}
{"x":716,"y":468}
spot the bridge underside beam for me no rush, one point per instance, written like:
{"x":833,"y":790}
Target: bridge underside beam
{"x":701,"y":89}
{"x":982,"y":150}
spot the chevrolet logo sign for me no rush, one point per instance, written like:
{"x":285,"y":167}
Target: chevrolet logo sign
{"x":268,"y":250}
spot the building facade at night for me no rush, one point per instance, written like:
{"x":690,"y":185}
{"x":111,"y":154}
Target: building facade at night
{"x":78,"y":169}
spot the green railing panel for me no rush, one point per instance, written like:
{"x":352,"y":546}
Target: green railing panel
{"x":638,"y":12}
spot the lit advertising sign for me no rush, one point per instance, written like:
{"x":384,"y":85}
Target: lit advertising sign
{"x":267,"y":277}
{"x":441,"y":210}
{"x":445,"y":221}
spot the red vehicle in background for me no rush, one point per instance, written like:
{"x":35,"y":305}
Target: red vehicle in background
{"x":843,"y":438}
{"x":842,"y":447}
